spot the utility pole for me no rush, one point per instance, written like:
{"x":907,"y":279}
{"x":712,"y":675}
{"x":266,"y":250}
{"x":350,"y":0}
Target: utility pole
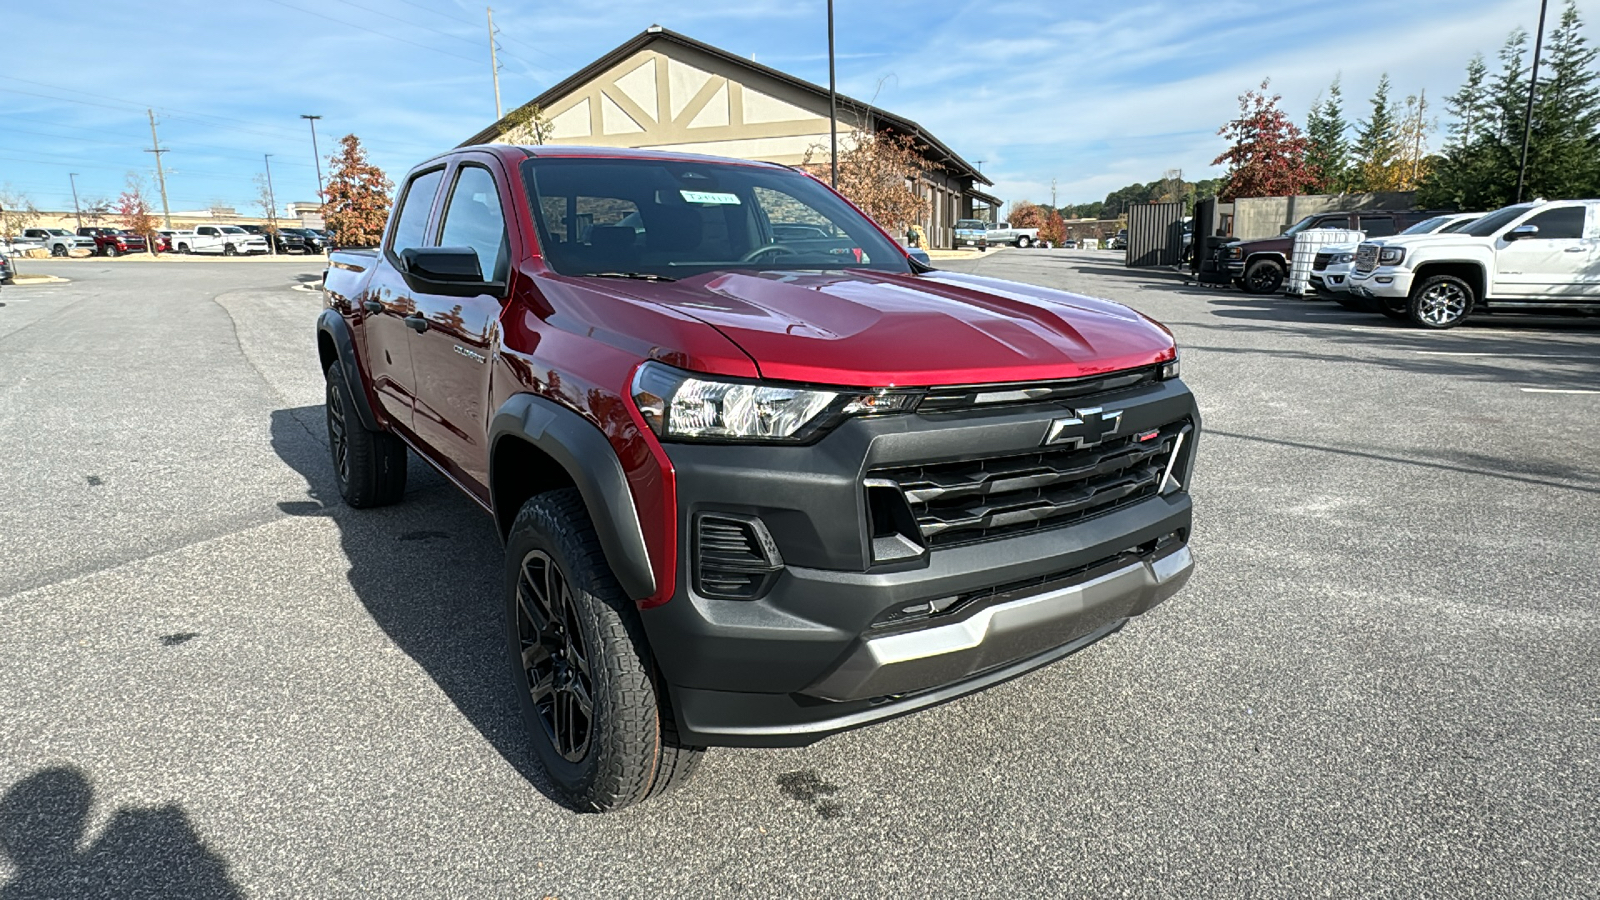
{"x":1052,"y":193}
{"x":161,"y":175}
{"x":272,"y":208}
{"x":316,"y":156}
{"x":494,"y":68}
{"x":1533,"y":87}
{"x":77,"y":212}
{"x":833,"y":106}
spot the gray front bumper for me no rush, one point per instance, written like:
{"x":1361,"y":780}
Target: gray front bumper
{"x":1003,"y":633}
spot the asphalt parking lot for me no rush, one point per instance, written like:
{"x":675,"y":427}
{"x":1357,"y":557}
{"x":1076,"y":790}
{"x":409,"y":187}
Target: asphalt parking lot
{"x":1381,"y":681}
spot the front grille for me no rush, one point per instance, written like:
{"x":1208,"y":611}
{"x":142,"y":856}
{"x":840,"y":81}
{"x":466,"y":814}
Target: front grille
{"x":1366,"y":258}
{"x":1321,"y":261}
{"x":979,"y":499}
{"x":964,"y":398}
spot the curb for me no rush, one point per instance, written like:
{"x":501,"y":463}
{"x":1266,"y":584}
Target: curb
{"x":23,"y":280}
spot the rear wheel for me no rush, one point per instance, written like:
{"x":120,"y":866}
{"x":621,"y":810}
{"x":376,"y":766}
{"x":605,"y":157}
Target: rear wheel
{"x":1263,"y":277}
{"x":592,"y":702}
{"x":369,"y":465}
{"x":1024,"y":242}
{"x":184,"y":249}
{"x":1441,"y":302}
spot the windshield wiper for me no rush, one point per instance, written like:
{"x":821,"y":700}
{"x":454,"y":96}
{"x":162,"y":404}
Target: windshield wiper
{"x":641,"y":276}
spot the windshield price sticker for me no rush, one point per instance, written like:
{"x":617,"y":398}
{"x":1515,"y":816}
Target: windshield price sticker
{"x":710,"y":197}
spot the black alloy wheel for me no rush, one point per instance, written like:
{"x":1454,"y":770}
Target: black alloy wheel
{"x":554,"y":658}
{"x":1263,"y":277}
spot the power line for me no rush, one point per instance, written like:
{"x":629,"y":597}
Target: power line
{"x":370,"y":30}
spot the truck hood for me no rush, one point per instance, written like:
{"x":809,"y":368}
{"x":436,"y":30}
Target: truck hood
{"x":1426,"y":240}
{"x":872,"y":329}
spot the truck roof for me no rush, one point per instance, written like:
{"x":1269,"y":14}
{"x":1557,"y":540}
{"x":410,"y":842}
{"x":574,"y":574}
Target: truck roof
{"x":514,"y":153}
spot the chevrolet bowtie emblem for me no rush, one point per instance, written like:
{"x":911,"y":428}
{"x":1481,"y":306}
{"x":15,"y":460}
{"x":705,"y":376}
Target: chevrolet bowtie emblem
{"x":1091,"y":425}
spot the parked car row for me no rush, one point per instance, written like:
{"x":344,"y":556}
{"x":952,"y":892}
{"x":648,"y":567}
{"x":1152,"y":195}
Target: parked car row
{"x":228,"y":240}
{"x":1443,"y":268}
{"x":978,"y":233}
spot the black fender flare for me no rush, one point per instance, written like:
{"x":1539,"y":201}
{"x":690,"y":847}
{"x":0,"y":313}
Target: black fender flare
{"x":583,"y":451}
{"x":344,"y":345}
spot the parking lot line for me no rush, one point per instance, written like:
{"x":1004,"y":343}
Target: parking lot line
{"x":1509,"y":355}
{"x":1558,"y":391}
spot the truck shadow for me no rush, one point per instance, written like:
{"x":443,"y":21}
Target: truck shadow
{"x":428,"y":572}
{"x":140,"y":852}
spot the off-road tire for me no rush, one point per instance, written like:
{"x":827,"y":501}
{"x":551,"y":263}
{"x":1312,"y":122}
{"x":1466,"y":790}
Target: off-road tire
{"x":1263,"y":277}
{"x":1440,"y":302}
{"x":632,"y":750}
{"x":372,"y":469}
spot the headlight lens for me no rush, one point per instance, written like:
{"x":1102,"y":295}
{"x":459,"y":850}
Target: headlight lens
{"x":1235,"y":252}
{"x":679,"y":405}
{"x":1391,"y":256}
{"x":1344,"y":257}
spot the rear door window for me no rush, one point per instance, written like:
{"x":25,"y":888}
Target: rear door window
{"x":1377,"y":226}
{"x":412,"y":223}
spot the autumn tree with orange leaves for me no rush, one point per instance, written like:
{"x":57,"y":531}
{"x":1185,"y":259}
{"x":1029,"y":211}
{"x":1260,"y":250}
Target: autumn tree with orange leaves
{"x":356,"y":206}
{"x":1267,"y":152}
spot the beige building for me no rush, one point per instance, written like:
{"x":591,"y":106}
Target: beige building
{"x":665,"y":91}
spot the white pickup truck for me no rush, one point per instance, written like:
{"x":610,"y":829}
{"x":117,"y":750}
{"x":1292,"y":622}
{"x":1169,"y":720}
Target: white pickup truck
{"x":1542,"y":256}
{"x":228,"y":240}
{"x":977,"y":233}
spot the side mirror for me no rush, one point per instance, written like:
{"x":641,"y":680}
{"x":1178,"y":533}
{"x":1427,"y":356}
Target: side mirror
{"x":450,"y":271}
{"x":1522,"y":231}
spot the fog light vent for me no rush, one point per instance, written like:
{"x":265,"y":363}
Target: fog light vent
{"x":735,"y":557}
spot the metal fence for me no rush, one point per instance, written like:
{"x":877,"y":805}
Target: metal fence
{"x":1306,"y":244}
{"x":1155,"y":235}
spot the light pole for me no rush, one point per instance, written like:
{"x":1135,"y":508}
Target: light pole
{"x":1533,"y":87}
{"x":833,"y":107}
{"x":317,"y":157}
{"x":77,"y":213}
{"x":272,"y":209}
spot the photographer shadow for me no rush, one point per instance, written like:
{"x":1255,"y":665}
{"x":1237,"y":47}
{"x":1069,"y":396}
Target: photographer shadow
{"x":428,"y":571}
{"x":140,"y":853}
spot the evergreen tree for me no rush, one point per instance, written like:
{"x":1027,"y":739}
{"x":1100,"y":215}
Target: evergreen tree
{"x":357,"y":203}
{"x":1564,"y":156}
{"x":1500,"y":152}
{"x":1377,"y":145}
{"x":1328,"y":150}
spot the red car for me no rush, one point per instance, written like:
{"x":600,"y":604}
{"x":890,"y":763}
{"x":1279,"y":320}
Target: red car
{"x":760,"y":476}
{"x":114,"y":241}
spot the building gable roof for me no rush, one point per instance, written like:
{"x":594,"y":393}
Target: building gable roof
{"x":654,"y":33}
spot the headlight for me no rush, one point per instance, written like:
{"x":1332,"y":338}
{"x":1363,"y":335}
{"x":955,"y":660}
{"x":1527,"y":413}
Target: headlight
{"x":679,"y":405}
{"x":1391,"y":256}
{"x":1344,"y":257}
{"x":1233,"y":252}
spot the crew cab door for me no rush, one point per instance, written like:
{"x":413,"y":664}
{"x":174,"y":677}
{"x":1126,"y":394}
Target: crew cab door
{"x":1552,"y":264}
{"x":452,"y":356}
{"x":389,"y":311}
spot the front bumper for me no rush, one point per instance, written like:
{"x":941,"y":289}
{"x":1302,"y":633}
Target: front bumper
{"x":1381,"y":283}
{"x":815,"y":654}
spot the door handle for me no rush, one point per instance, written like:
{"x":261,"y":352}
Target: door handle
{"x":372,"y":306}
{"x":417,"y":323}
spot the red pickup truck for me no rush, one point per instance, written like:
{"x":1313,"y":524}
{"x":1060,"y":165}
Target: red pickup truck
{"x":761,"y":477}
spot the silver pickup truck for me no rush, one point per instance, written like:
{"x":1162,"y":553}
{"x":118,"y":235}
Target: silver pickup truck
{"x":976,"y":232}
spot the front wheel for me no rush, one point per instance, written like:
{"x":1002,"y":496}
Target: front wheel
{"x":111,"y":251}
{"x":1441,"y":302}
{"x":58,"y":250}
{"x":230,"y":250}
{"x":1263,"y":277}
{"x":591,"y":700}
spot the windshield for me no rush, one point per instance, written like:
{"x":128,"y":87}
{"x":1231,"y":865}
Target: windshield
{"x":57,"y":232}
{"x":676,"y":218}
{"x":233,"y":229}
{"x":1300,"y":226}
{"x":1494,"y":221}
{"x":1426,"y":226}
{"x":969,"y":224}
{"x":1457,"y":225}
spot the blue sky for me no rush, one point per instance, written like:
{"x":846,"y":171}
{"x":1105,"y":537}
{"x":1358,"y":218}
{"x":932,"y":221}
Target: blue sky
{"x":1094,"y":95}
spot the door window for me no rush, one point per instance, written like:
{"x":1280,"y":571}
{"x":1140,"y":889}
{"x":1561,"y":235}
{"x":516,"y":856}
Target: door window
{"x":473,"y":218}
{"x":1565,"y":223}
{"x":414,"y":209}
{"x":1377,"y":226}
